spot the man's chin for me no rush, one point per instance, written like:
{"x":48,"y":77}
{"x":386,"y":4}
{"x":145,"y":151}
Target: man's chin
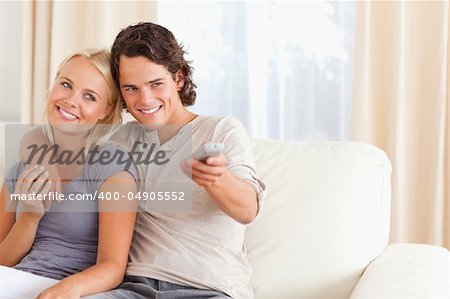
{"x":150,"y":126}
{"x":150,"y":123}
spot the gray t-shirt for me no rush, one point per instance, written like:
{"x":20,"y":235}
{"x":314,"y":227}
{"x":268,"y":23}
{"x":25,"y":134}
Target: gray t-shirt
{"x":67,"y":235}
{"x":199,"y":246}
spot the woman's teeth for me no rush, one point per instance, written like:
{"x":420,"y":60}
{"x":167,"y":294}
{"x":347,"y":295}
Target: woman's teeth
{"x":67,"y":114}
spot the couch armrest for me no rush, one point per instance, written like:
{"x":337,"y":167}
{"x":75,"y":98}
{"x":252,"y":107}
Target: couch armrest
{"x":406,"y":271}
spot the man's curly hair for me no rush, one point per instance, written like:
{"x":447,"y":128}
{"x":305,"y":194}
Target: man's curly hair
{"x":160,"y":46}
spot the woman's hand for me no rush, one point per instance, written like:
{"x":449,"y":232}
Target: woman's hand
{"x":55,"y":177}
{"x":32,"y":184}
{"x":35,"y":137}
{"x":65,"y":289}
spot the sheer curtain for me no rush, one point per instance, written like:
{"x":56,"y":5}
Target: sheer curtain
{"x":283,"y":68}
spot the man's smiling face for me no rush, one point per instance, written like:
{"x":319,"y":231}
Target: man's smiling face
{"x":150,"y":92}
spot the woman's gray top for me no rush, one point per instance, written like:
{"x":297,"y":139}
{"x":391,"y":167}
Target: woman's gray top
{"x":67,"y":235}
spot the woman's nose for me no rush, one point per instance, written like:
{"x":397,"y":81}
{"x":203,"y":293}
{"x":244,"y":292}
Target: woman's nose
{"x":71,"y":101}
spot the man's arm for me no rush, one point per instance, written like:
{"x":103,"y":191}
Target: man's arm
{"x":233,"y":195}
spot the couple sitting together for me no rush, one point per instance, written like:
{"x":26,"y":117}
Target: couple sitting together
{"x":131,"y":248}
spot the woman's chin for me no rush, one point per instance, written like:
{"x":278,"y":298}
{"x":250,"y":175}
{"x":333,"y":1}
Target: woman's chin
{"x":71,"y":128}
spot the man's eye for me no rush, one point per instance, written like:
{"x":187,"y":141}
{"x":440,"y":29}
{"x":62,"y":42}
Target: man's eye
{"x":89,"y":97}
{"x":156,"y":84}
{"x":130,"y":89}
{"x":66,"y":85}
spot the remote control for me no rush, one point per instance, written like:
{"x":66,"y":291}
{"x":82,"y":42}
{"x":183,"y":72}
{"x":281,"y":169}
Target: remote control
{"x":208,"y":150}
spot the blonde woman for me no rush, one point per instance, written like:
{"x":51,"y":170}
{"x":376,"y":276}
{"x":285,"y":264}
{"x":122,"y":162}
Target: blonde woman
{"x":82,"y":244}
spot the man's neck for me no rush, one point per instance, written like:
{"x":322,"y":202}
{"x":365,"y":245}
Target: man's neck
{"x":171,"y":129}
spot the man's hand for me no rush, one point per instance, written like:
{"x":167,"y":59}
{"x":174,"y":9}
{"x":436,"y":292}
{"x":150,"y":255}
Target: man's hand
{"x":205,"y":174}
{"x":234,"y":196}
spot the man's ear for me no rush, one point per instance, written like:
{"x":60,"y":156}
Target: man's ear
{"x":179,"y":80}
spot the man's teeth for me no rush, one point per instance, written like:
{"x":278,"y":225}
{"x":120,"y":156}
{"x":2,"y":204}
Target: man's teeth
{"x":152,"y":110}
{"x":67,"y":114}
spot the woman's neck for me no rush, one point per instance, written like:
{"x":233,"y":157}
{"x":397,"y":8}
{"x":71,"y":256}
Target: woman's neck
{"x":74,"y":142}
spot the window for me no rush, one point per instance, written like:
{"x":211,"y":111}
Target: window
{"x":283,"y":68}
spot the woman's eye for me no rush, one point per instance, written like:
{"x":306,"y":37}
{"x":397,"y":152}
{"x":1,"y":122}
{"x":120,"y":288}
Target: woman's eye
{"x":89,"y":97}
{"x":66,"y":85}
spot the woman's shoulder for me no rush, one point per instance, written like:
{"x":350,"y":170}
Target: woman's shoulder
{"x":111,"y":147}
{"x":107,"y":159}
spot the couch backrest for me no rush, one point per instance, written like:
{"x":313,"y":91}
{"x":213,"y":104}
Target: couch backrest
{"x":326,"y":215}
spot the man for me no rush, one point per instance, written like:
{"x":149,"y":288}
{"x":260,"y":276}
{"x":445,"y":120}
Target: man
{"x":197,"y":252}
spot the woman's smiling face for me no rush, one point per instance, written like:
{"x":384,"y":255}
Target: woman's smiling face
{"x":79,"y":95}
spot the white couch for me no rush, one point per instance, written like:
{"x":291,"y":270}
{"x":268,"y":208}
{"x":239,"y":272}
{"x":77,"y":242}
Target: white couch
{"x":324,"y":229}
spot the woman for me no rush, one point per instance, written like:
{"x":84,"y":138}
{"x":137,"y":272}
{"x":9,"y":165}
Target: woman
{"x":84,"y":244}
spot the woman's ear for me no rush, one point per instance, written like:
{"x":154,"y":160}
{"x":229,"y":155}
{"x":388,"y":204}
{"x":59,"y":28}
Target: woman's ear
{"x":179,"y":80}
{"x":106,"y":112}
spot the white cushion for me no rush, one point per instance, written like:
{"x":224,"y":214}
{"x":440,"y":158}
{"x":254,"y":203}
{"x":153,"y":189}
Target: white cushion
{"x":325,"y":217}
{"x":407,"y":271}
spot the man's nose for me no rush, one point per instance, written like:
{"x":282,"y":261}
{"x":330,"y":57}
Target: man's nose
{"x":146,"y":94}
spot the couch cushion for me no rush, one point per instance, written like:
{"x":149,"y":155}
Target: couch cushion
{"x":407,"y":271}
{"x":325,"y":217}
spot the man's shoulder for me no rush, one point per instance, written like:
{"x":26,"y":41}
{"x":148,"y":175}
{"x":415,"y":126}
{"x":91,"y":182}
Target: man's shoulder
{"x":219,"y":128}
{"x":128,"y":129}
{"x":215,"y":121}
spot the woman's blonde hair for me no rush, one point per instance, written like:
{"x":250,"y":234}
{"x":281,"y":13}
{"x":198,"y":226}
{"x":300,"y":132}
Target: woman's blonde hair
{"x":101,"y":60}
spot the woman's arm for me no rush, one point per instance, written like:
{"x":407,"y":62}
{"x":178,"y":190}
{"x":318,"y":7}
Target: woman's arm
{"x":17,"y":236}
{"x":116,"y":226}
{"x":18,"y":241}
{"x":7,"y":218}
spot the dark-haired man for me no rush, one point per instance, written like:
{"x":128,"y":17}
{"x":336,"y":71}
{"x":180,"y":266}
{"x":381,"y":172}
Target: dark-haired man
{"x":197,"y":253}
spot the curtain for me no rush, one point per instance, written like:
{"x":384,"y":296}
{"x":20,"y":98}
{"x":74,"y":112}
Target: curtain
{"x":401,"y":104}
{"x":44,"y":33}
{"x":285,"y":70}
